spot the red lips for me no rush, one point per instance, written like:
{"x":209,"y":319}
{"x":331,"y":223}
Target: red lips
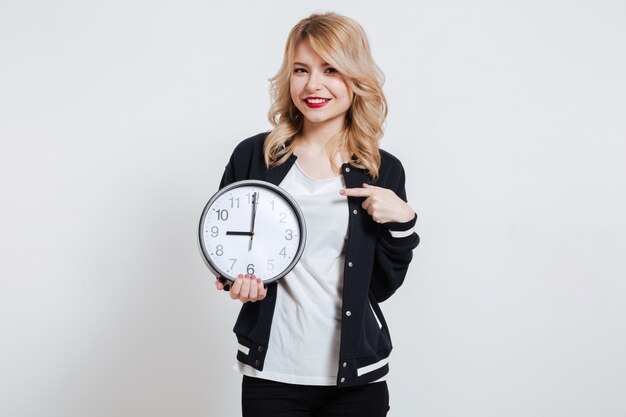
{"x":319,"y":102}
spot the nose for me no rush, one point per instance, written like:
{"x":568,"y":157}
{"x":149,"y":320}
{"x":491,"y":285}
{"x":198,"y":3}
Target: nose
{"x":314,"y":81}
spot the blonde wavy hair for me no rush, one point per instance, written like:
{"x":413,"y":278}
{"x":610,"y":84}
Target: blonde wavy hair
{"x":342,"y":43}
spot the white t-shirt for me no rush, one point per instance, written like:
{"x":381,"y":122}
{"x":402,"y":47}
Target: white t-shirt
{"x":306,"y":327}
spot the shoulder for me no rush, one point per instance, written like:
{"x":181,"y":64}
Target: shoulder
{"x":247,"y":160}
{"x":389,"y":164}
{"x":391,"y":174}
{"x":251,"y":145}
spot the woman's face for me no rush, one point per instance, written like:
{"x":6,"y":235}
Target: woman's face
{"x":317,"y":89}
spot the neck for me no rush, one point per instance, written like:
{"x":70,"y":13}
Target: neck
{"x":313,"y":143}
{"x":320,"y":133}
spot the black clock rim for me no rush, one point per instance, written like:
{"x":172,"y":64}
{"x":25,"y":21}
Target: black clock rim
{"x":282,"y":193}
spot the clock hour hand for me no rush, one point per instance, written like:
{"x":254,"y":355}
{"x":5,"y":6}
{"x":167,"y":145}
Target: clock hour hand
{"x":255,"y":199}
{"x":235,"y":233}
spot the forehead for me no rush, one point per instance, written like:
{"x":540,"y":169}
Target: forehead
{"x":304,"y":53}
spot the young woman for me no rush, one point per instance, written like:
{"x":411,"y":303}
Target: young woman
{"x":315,"y":343}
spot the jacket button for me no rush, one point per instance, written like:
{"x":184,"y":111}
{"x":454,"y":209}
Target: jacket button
{"x":343,"y":380}
{"x":260,"y":349}
{"x":345,"y":364}
{"x":355,"y":211}
{"x":257,"y":362}
{"x":347,"y":169}
{"x":348,"y":313}
{"x":350,"y":264}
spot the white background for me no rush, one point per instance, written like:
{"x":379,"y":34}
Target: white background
{"x":117,"y":118}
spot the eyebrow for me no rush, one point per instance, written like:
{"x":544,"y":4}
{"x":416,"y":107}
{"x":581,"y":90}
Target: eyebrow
{"x":325,"y":64}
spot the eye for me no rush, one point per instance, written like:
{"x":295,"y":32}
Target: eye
{"x":299,"y":70}
{"x":332,"y":71}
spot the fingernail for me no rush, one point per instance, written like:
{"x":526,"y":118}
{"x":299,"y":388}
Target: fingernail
{"x":342,"y":191}
{"x":258,"y":280}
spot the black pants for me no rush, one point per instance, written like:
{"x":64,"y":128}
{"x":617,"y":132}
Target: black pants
{"x":263,"y":398}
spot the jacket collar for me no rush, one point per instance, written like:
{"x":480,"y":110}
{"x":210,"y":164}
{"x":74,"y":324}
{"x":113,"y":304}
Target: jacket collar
{"x":354,"y":177}
{"x":277,"y":174}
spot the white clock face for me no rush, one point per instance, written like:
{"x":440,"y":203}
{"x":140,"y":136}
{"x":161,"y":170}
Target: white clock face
{"x":251,"y":228}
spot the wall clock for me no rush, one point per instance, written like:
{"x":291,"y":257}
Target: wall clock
{"x":252,"y":227}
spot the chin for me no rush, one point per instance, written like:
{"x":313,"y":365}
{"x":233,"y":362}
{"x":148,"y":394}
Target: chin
{"x":317,"y":117}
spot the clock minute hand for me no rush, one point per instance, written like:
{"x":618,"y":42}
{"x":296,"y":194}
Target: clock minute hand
{"x":255,"y":198}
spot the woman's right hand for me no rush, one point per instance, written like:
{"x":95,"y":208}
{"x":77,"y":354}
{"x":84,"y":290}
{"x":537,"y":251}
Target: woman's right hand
{"x":246,"y":288}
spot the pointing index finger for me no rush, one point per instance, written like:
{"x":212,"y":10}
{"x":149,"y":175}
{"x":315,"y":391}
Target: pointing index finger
{"x":356,"y":192}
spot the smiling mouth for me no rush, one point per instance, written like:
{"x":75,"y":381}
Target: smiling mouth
{"x":316,"y":101}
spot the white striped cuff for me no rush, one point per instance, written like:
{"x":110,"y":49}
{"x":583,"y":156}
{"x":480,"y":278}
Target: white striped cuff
{"x":402,"y":233}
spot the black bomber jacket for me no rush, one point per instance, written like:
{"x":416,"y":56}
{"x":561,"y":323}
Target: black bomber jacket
{"x":375,"y":266}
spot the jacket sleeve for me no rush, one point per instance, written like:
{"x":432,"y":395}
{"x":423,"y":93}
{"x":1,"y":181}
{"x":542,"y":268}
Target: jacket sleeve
{"x":394,"y":248}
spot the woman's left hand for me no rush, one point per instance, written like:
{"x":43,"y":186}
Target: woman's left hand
{"x":382,"y":204}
